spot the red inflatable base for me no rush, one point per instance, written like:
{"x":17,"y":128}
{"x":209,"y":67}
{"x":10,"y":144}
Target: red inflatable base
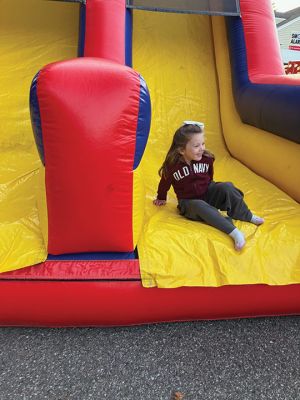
{"x":109,"y":293}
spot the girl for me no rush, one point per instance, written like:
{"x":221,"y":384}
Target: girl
{"x":188,"y":167}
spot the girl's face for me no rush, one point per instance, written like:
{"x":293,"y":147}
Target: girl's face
{"x":194,"y":148}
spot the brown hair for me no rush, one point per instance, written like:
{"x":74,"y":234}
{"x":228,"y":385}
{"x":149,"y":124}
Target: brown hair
{"x":180,"y":140}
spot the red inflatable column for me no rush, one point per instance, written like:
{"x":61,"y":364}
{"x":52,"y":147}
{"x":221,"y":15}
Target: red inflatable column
{"x":262,"y":43}
{"x":89,"y":113}
{"x":105,"y":29}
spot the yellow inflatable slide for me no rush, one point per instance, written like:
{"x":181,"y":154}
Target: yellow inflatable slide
{"x":185,"y":61}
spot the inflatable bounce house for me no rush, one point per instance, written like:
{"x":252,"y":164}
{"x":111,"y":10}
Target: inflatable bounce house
{"x":81,"y":242}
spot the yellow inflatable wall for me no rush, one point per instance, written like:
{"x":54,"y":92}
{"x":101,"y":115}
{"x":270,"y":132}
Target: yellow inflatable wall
{"x":185,"y":64}
{"x":33,"y":33}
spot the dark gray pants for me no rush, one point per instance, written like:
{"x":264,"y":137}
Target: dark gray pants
{"x":220,"y":196}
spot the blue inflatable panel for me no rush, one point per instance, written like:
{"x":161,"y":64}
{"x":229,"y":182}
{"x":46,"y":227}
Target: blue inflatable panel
{"x":36,"y":118}
{"x":81,"y":37}
{"x":144,"y":121}
{"x":128,"y":38}
{"x":271,"y":107}
{"x":93,"y":256}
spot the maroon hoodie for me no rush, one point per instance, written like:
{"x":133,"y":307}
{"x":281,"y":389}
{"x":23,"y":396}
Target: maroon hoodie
{"x":189,"y":181}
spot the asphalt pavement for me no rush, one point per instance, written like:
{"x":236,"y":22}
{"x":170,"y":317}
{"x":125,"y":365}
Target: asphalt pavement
{"x":247,"y":359}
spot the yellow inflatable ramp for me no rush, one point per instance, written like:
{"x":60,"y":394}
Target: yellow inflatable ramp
{"x":176,"y":55}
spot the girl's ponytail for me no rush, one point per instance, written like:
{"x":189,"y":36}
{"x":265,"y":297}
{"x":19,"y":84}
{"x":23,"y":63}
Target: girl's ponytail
{"x":172,"y":158}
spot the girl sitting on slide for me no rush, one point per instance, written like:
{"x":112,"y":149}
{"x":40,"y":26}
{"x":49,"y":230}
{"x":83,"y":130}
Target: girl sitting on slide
{"x":188,"y":167}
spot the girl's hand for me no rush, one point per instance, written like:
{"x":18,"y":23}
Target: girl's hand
{"x":158,"y":202}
